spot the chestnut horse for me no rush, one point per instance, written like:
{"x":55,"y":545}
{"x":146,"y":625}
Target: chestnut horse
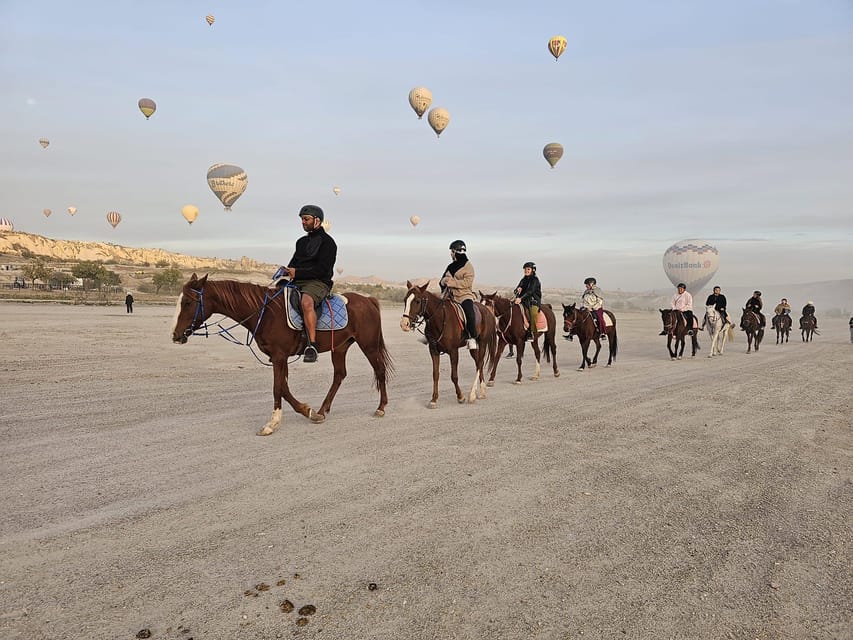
{"x":751,"y":324}
{"x":445,"y":334}
{"x":675,"y":325}
{"x":579,"y":322}
{"x":511,"y":331}
{"x":262,"y":313}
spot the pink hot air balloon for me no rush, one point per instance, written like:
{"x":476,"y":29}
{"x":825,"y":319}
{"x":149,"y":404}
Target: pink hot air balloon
{"x":114,"y":217}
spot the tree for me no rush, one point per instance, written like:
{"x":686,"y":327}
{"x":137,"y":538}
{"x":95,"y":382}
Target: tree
{"x":88,"y":270}
{"x":36,"y":270}
{"x":167,"y":278}
{"x":61,"y":279}
{"x":111,"y":278}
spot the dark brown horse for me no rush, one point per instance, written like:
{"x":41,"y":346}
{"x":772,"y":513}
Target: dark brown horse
{"x":782,"y":323}
{"x":675,"y":325}
{"x":511,"y":331}
{"x":262,"y":313}
{"x":444,"y":334}
{"x":579,"y":322}
{"x":808,"y":327}
{"x":751,"y":324}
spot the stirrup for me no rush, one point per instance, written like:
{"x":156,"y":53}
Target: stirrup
{"x":310,"y":354}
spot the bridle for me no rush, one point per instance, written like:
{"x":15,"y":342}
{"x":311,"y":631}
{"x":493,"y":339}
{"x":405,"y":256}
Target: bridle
{"x":423,"y":316}
{"x":199,"y":313}
{"x":490,"y":304}
{"x":569,"y":325}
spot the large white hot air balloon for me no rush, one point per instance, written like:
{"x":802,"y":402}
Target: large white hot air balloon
{"x":693,"y":262}
{"x":420,"y":98}
{"x":114,"y":217}
{"x":6,"y":225}
{"x":228,"y":182}
{"x":72,"y":210}
{"x":438,"y":119}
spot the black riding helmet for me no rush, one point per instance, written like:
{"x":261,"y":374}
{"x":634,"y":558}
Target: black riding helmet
{"x":590,"y":281}
{"x":311,"y":210}
{"x":458,"y":246}
{"x":532,"y":265}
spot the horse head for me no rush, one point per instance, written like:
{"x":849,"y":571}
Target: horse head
{"x":569,"y":318}
{"x":668,"y":318}
{"x":190,"y":312}
{"x":414,"y":305}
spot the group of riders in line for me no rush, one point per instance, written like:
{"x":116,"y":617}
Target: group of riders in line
{"x":311,"y":267}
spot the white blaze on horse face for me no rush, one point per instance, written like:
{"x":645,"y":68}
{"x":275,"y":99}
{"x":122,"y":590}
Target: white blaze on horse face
{"x":405,"y":323}
{"x":177,"y":313}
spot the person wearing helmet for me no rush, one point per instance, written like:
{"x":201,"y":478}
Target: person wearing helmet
{"x":808,"y":310}
{"x":719,"y":301}
{"x":310,"y":270}
{"x":782,"y":309}
{"x":755,"y":304}
{"x":592,"y":299}
{"x":683,"y":301}
{"x":458,"y":284}
{"x":528,"y":294}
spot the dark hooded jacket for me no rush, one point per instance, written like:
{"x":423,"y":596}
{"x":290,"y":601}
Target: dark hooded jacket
{"x":315,"y":255}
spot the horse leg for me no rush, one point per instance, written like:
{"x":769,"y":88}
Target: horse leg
{"x":597,"y":350}
{"x":280,"y":389}
{"x":584,"y":351}
{"x":477,"y":356}
{"x":454,"y":374}
{"x":537,"y":353}
{"x":551,"y":344}
{"x":694,"y":345}
{"x":519,"y":357}
{"x":672,"y":354}
{"x":611,"y":349}
{"x":339,"y":364}
{"x":494,"y":368}
{"x":679,"y":347}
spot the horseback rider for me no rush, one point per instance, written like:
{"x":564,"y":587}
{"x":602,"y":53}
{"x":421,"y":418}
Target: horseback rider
{"x":310,"y":271}
{"x":683,"y":301}
{"x":808,"y":310}
{"x":457,"y":283}
{"x":593,"y":300}
{"x":755,"y":304}
{"x":782,"y":309}
{"x":528,"y":294}
{"x":719,"y":301}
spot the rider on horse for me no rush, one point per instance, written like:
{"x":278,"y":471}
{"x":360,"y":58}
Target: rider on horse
{"x":458,"y":283}
{"x":782,"y":309}
{"x":755,"y":304}
{"x":683,"y":301}
{"x":592,"y":299}
{"x":719,"y":301}
{"x":528,"y":293}
{"x":808,"y":310}
{"x":310,"y":270}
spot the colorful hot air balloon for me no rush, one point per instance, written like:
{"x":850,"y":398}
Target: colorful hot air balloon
{"x":420,"y":98}
{"x":553,"y":151}
{"x":438,"y":119}
{"x":114,"y":217}
{"x":210,"y":20}
{"x":190,"y":212}
{"x":693,"y":262}
{"x":47,"y":213}
{"x":147,"y":106}
{"x":336,"y":190}
{"x":415,"y":220}
{"x":6,"y":225}
{"x":556,"y":46}
{"x":228,"y":182}
{"x":44,"y":142}
{"x":72,"y":210}
{"x":326,"y":225}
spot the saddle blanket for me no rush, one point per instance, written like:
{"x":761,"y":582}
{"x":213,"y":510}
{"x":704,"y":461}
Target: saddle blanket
{"x":331,"y":316}
{"x":460,"y":314}
{"x":608,"y":321}
{"x":541,"y":322}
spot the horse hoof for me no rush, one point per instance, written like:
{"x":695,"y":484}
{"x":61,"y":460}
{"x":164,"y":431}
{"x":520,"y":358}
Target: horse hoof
{"x":432,"y":405}
{"x":518,"y":382}
{"x":534,"y":377}
{"x":316,"y":417}
{"x":266,"y":431}
{"x":379,"y":413}
{"x":461,"y":400}
{"x":678,"y":358}
{"x":581,"y":369}
{"x":556,"y":374}
{"x":490,"y":383}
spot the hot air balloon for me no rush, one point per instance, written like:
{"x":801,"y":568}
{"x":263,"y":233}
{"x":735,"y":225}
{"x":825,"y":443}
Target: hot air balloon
{"x":44,"y":142}
{"x":210,"y":20}
{"x":6,"y":225}
{"x":556,"y":46}
{"x":438,"y":119}
{"x":114,"y":217}
{"x":72,"y":210}
{"x":415,"y":220}
{"x":228,"y":182}
{"x":553,"y":151}
{"x":693,"y":262}
{"x":190,"y":212}
{"x":326,"y":225}
{"x":147,"y":106}
{"x":340,"y":270}
{"x":420,"y":98}
{"x":47,"y":213}
{"x":336,"y":190}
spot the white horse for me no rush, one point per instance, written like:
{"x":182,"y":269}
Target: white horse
{"x":718,"y":330}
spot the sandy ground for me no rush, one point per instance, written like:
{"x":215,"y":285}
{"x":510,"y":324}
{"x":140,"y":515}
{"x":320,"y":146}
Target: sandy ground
{"x":655,"y":499}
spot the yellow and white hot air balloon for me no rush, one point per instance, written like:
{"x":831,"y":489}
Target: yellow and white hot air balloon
{"x":47,"y":213}
{"x":438,"y":119}
{"x":72,"y":210}
{"x":190,"y":212}
{"x":210,"y":20}
{"x":114,"y":217}
{"x":553,"y":151}
{"x":420,"y":98}
{"x":44,"y":142}
{"x":336,"y":190}
{"x":147,"y":106}
{"x":326,"y":225}
{"x":6,"y":225}
{"x":556,"y":46}
{"x":228,"y":182}
{"x":415,"y":220}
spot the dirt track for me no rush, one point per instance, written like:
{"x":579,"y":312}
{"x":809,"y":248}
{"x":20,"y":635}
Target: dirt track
{"x":656,"y":499}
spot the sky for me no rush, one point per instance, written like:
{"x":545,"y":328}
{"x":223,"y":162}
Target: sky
{"x":729,"y":121}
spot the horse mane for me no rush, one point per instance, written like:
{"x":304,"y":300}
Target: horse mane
{"x":234,"y":292}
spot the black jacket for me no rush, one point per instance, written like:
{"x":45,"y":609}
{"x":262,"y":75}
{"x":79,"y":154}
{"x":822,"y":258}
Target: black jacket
{"x":808,"y":310}
{"x":754,"y":303}
{"x":530,"y":291}
{"x":315,"y":255}
{"x":718,"y":300}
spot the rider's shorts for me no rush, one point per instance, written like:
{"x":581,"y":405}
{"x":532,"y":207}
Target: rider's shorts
{"x":314,"y":288}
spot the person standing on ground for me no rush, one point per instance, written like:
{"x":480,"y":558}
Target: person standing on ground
{"x":128,"y":302}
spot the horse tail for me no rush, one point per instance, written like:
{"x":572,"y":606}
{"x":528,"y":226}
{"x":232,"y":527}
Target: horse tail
{"x":614,"y":343}
{"x":384,"y":364}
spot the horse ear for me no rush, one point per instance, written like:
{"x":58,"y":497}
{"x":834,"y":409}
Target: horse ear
{"x":424,"y":288}
{"x":495,"y":293}
{"x":203,"y":280}
{"x":193,"y":277}
{"x":408,"y":284}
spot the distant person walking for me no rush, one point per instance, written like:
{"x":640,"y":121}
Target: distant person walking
{"x":851,"y":329}
{"x":128,"y":302}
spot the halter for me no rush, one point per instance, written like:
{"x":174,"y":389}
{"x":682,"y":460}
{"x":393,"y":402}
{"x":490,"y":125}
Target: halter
{"x":422,"y":317}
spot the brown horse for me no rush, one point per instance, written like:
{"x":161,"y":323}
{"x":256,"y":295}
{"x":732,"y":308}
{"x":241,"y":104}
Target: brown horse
{"x":782,"y":323}
{"x":580,"y":322}
{"x":511,"y":331}
{"x":675,"y":325}
{"x":262,"y":313}
{"x":751,"y":324}
{"x":808,"y":328}
{"x":445,"y":334}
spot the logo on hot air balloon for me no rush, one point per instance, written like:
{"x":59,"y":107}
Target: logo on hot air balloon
{"x":438,"y":119}
{"x":556,"y":46}
{"x":228,"y":182}
{"x":420,"y":98}
{"x":693,"y":262}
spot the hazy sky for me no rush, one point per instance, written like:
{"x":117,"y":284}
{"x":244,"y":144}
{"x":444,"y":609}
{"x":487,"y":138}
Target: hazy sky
{"x":728,"y":120}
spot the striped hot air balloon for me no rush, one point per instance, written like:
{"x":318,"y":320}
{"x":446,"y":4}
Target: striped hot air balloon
{"x":210,"y":20}
{"x":114,"y":217}
{"x":6,"y":225}
{"x":228,"y":182}
{"x":44,"y":142}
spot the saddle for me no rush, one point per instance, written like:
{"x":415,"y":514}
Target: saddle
{"x":608,"y":321}
{"x":331,"y":316}
{"x":541,"y":322}
{"x":460,"y":313}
